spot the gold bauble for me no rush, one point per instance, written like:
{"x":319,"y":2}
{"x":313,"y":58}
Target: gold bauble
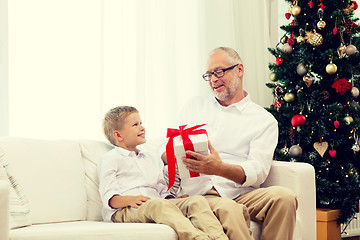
{"x":321,"y":24}
{"x":289,"y":97}
{"x":300,"y":39}
{"x":295,"y":10}
{"x":331,"y":68}
{"x":314,"y":38}
{"x":348,"y":120}
{"x":272,"y":77}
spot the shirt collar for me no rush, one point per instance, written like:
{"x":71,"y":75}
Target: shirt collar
{"x":239,"y":105}
{"x":128,"y":153}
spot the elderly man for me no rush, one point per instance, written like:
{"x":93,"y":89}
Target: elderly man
{"x":242,"y":138}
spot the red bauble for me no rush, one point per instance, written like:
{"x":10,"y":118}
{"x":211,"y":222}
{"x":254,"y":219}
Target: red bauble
{"x":298,"y":120}
{"x":279,"y":60}
{"x":355,"y":4}
{"x":336,"y":124}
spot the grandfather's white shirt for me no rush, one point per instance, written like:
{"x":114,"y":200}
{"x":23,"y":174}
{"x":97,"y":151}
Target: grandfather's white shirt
{"x":243,"y":134}
{"x":122,"y":172}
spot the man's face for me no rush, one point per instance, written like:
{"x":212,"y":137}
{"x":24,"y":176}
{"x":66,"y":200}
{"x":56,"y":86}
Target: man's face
{"x":226,"y":88}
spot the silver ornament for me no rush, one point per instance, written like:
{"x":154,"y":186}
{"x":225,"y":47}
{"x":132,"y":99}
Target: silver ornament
{"x":287,"y":48}
{"x":301,"y":69}
{"x":350,"y":50}
{"x":355,"y":92}
{"x":295,"y":151}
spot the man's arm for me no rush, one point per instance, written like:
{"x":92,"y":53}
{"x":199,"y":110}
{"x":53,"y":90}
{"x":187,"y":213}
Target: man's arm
{"x":212,"y":165}
{"x":118,"y":201}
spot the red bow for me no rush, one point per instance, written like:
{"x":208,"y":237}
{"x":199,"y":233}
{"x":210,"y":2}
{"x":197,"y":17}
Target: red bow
{"x":184,"y":133}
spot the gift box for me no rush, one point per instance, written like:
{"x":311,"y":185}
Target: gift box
{"x":326,"y":225}
{"x":180,"y":140}
{"x":200,"y":144}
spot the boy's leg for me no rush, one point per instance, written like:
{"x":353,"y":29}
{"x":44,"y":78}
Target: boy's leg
{"x":234,"y":217}
{"x":274,"y":207}
{"x":160,"y":210}
{"x":197,"y":209}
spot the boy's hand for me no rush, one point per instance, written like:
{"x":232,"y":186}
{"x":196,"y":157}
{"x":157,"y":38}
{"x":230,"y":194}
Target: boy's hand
{"x":183,"y":196}
{"x":137,"y":201}
{"x":118,"y":201}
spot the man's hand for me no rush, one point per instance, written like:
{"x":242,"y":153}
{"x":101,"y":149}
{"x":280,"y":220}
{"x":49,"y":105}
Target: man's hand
{"x":207,"y":164}
{"x":212,"y":164}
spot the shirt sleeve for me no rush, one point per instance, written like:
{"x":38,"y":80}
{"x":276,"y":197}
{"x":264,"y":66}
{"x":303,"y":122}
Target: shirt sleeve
{"x":108,"y":186}
{"x":260,"y":156}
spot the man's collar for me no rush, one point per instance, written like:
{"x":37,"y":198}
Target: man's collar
{"x":239,"y":105}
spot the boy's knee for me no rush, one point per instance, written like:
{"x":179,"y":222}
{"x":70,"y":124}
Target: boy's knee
{"x":157,"y":203}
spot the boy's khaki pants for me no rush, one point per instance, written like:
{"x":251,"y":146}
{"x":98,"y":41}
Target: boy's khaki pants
{"x":190,"y":217}
{"x":274,"y":207}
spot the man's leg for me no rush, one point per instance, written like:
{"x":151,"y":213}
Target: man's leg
{"x":197,"y":209}
{"x":274,"y":207}
{"x":163,"y":211}
{"x":234,"y":217}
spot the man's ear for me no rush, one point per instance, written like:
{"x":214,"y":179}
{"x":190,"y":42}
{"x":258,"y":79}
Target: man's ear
{"x":117,"y":136}
{"x":240,"y":69}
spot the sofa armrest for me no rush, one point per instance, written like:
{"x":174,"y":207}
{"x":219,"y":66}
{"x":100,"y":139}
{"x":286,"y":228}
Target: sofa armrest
{"x":4,"y":210}
{"x":299,"y":177}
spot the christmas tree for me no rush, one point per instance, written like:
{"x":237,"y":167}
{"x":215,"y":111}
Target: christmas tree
{"x":315,"y":83}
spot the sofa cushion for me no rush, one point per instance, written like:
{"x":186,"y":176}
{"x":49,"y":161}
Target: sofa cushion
{"x":85,"y":230}
{"x":91,"y":152}
{"x":52,"y":177}
{"x":19,"y":209}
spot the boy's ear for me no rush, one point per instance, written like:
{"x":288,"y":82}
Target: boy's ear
{"x":117,"y":136}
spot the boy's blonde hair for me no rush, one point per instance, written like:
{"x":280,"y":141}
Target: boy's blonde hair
{"x":113,"y":120}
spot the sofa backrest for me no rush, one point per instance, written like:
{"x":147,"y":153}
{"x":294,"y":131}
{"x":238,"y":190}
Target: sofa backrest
{"x":91,"y":152}
{"x":51,"y":174}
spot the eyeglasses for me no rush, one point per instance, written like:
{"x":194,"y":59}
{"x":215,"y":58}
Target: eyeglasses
{"x":218,"y":73}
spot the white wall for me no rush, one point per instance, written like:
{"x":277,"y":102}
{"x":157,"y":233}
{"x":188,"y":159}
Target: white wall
{"x":4,"y":87}
{"x":61,"y":54}
{"x":56,"y":47}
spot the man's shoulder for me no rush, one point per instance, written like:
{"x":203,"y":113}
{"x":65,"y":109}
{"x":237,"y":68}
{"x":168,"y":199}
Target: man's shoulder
{"x":261,"y":112}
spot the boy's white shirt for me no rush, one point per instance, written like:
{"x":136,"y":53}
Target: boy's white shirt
{"x":122,"y":172}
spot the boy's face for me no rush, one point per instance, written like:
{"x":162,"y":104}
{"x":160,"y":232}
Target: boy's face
{"x":132,"y":132}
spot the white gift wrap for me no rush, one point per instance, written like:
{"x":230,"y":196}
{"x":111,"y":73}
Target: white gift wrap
{"x":200,"y":143}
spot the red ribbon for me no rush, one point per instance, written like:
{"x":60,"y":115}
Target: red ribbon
{"x":170,"y":155}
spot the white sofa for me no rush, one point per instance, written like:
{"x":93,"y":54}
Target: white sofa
{"x":59,"y":179}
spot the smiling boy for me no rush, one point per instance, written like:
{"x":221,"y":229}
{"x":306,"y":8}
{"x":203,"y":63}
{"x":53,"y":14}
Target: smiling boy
{"x":133,"y":189}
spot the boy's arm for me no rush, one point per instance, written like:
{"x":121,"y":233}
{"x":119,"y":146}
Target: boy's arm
{"x":118,"y":201}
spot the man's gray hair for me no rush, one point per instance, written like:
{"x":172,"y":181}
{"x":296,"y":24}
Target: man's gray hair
{"x":232,"y":55}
